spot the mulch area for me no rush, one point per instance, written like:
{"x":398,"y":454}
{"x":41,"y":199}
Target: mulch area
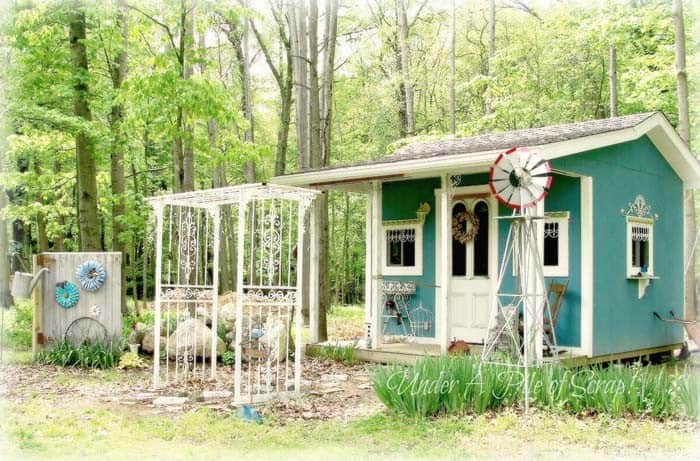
{"x":330,"y":391}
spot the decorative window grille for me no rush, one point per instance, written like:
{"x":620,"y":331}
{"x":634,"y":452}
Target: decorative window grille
{"x":403,"y":247}
{"x":555,"y":244}
{"x":551,"y":243}
{"x":640,"y":238}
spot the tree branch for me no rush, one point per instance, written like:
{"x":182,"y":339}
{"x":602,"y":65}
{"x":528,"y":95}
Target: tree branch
{"x":165,"y":27}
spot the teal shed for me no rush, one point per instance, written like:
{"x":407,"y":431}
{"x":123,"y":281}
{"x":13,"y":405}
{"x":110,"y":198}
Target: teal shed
{"x":613,"y":228}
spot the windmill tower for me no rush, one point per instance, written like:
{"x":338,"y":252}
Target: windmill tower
{"x":520,"y":179}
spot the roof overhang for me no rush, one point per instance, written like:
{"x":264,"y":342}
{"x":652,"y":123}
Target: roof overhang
{"x":356,"y":178}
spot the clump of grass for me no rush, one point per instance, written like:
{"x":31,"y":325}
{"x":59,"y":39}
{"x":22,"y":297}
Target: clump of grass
{"x":456,"y":385}
{"x":86,"y":355}
{"x":336,"y":353}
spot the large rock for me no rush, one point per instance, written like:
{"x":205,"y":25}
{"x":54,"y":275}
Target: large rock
{"x":137,"y":333}
{"x":204,"y":314}
{"x":275,"y":338}
{"x":148,"y":342}
{"x":226,"y":316}
{"x":193,"y":336}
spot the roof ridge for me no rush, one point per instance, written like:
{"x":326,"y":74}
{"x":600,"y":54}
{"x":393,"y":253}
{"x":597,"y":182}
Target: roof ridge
{"x":639,"y":117}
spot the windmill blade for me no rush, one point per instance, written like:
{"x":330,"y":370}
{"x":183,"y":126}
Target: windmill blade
{"x":533,"y":174}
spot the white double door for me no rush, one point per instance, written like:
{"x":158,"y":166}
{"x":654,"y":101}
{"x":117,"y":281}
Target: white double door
{"x":471,"y":265}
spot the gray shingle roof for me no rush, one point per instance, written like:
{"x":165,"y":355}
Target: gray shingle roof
{"x":504,"y":140}
{"x":519,"y":138}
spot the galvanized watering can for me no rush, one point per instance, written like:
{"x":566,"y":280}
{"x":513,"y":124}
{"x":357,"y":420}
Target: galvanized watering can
{"x":23,"y":283}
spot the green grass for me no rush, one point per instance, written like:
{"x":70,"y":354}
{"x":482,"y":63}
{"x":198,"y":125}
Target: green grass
{"x":346,"y":322}
{"x":86,"y":355}
{"x":42,"y":428}
{"x":336,"y":353}
{"x":457,"y":385}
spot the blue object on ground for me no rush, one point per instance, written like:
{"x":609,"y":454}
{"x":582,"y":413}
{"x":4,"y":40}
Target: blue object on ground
{"x":249,"y":414}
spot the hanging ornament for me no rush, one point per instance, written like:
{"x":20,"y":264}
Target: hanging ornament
{"x":91,"y":275}
{"x":520,"y":178}
{"x":67,"y":295}
{"x":465,"y":227}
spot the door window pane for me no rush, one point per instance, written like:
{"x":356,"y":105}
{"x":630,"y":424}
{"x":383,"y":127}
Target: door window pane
{"x":481,"y":241}
{"x":459,"y":250}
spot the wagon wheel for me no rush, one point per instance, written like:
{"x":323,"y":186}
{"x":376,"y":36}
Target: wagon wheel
{"x":85,"y":330}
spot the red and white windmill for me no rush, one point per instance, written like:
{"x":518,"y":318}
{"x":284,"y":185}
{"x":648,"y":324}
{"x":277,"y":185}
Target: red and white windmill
{"x":520,"y":179}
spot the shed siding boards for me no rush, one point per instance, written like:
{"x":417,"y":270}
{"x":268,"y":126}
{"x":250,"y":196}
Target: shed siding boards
{"x":400,"y":200}
{"x":621,"y":321}
{"x":565,"y":195}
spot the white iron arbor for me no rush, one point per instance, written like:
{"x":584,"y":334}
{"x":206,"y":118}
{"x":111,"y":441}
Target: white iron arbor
{"x":259,"y":231}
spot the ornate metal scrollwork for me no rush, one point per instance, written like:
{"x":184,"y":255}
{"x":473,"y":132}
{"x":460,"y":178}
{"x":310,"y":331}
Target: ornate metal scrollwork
{"x":639,"y":208}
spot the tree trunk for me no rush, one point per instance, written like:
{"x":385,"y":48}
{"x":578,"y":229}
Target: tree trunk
{"x":285,"y":83}
{"x":5,"y":297}
{"x":299,"y":47}
{"x":453,"y":51}
{"x":144,"y":275}
{"x":330,"y":34}
{"x":683,"y":129}
{"x":183,"y":154}
{"x":118,"y":71}
{"x":240,"y":45}
{"x":314,"y":99}
{"x":59,"y":241}
{"x":492,"y":53}
{"x":42,"y":238}
{"x":85,"y":156}
{"x":612,"y":75}
{"x":188,"y":150}
{"x":405,"y":63}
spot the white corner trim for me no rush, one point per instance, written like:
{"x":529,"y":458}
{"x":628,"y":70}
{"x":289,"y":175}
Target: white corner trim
{"x":587,"y":267}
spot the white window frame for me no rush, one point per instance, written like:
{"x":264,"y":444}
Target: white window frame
{"x":633,"y":221}
{"x":562,"y":269}
{"x":417,"y":269}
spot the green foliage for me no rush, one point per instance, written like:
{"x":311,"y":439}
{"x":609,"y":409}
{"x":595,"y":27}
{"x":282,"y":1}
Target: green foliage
{"x":336,"y":353}
{"x":457,"y":385}
{"x":86,"y":355}
{"x":549,"y":67}
{"x":18,"y":326}
{"x":131,"y":360}
{"x":228,"y":358}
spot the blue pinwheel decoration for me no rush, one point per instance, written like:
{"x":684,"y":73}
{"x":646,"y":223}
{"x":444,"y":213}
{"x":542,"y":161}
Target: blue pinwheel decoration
{"x":67,"y":295}
{"x":91,"y":275}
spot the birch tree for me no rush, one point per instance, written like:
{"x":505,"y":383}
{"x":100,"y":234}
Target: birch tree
{"x":405,"y":64}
